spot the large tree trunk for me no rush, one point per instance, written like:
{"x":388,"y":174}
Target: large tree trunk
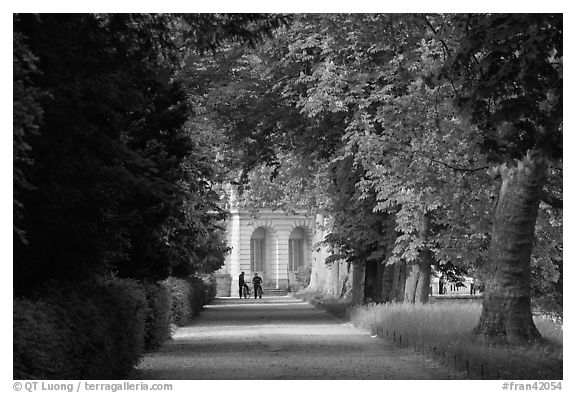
{"x":358,"y":273}
{"x":418,"y":279}
{"x":394,"y":282}
{"x":319,"y":270}
{"x":387,"y":283}
{"x":341,"y":286}
{"x":391,"y":273}
{"x":374,"y":281}
{"x":507,"y":313}
{"x":418,"y":272}
{"x":423,"y":287}
{"x":398,"y":282}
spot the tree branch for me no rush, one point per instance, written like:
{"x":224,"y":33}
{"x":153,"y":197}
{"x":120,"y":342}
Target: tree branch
{"x":456,"y":168}
{"x":551,"y":200}
{"x":444,"y":45}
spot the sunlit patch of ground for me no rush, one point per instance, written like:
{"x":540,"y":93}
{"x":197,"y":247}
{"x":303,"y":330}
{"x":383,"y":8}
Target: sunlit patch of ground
{"x":280,"y":338}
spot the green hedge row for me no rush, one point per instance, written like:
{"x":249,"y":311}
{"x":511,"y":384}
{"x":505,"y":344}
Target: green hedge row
{"x":89,"y":331}
{"x":157,"y":316}
{"x":188,"y":297}
{"x":99,"y":330}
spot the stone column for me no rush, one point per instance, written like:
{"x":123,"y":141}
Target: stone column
{"x":282,"y":258}
{"x":234,"y":258}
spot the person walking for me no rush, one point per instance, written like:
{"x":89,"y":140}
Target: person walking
{"x":242,"y":284}
{"x":257,"y":281}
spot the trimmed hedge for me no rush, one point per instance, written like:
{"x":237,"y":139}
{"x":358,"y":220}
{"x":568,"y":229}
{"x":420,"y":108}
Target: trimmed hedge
{"x":93,"y":330}
{"x":157,"y":316}
{"x":39,"y":350}
{"x":100,"y":329}
{"x":197,"y":295}
{"x":210,"y":287}
{"x":188,"y":297}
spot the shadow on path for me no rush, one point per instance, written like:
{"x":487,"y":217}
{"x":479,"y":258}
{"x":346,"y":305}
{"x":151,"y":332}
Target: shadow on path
{"x":279,"y":338}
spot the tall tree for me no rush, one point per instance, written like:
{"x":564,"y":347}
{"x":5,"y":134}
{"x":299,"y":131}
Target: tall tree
{"x":94,"y":70}
{"x":117,"y":177}
{"x":507,"y":75}
{"x":370,"y":73}
{"x":26,"y":123}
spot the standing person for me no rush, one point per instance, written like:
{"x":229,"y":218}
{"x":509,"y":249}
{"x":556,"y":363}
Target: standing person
{"x":257,"y":281}
{"x":242,"y":284}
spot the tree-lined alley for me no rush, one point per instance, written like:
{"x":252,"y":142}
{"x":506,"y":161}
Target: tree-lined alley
{"x":450,"y":126}
{"x":432,"y":143}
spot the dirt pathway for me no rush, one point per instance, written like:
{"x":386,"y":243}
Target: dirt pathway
{"x":279,"y":338}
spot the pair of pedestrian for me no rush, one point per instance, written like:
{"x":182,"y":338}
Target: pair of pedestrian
{"x":256,"y":281}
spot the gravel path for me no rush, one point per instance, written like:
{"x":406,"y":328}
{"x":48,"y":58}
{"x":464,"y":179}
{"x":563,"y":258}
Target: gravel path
{"x":280,"y":338}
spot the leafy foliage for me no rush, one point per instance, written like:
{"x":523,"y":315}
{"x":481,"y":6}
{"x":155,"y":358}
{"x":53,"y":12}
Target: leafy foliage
{"x":187,"y":297}
{"x":27,"y":115}
{"x":107,"y":158}
{"x":303,"y":275}
{"x":547,"y":262}
{"x":158,"y":328}
{"x":398,"y":117}
{"x":507,"y":72}
{"x":288,"y":185}
{"x":86,"y":330}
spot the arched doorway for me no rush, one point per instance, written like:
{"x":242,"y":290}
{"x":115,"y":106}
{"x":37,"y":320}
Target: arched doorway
{"x":263,"y":254}
{"x":297,"y":253}
{"x":258,"y":250}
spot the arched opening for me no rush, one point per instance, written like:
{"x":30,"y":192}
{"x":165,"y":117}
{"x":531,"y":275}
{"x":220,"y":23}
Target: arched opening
{"x":258,"y":250}
{"x":263,"y":255}
{"x":299,"y":249}
{"x":296,"y":245}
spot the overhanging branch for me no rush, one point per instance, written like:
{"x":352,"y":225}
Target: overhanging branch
{"x":551,"y":200}
{"x":456,"y":168}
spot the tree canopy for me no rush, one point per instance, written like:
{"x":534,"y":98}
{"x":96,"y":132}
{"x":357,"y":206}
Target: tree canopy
{"x":414,"y":113}
{"x":112,"y":175}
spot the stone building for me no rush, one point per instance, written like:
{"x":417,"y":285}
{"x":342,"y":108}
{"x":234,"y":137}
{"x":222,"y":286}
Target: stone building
{"x":272,"y":243}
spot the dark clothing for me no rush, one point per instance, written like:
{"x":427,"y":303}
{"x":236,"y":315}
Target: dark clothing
{"x":241,"y":284}
{"x":241,"y":287}
{"x":257,"y":281}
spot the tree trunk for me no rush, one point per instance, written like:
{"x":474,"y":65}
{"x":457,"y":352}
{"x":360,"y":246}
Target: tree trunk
{"x":319,"y":270}
{"x":423,"y":287}
{"x":507,"y":313}
{"x":393,"y":274}
{"x":387,"y":283}
{"x":343,"y":287}
{"x":358,"y":273}
{"x":418,"y":279}
{"x":373,"y":283}
{"x":398,"y":281}
{"x":418,"y":272}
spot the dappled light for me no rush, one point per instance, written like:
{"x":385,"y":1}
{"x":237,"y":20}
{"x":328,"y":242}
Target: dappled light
{"x":283,"y":338}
